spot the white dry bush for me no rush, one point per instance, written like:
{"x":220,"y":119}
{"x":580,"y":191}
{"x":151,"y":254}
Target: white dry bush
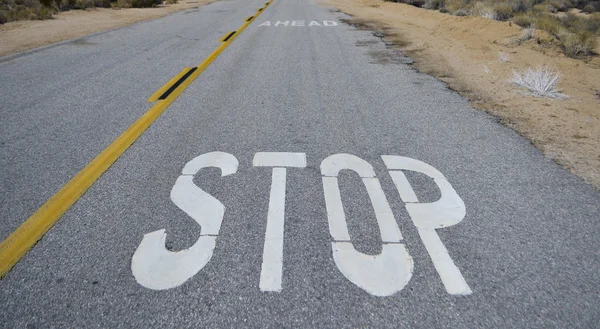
{"x":503,"y":57}
{"x":541,"y":81}
{"x":486,"y":69}
{"x":528,"y":33}
{"x":482,"y":9}
{"x":489,"y":14}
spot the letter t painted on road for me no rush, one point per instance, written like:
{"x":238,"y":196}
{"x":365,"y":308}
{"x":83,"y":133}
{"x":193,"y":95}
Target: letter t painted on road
{"x":272,"y":266}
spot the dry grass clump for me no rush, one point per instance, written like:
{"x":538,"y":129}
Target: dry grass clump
{"x":528,"y":33}
{"x":541,"y":81}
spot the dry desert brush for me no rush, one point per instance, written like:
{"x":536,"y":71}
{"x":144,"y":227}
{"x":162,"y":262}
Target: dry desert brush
{"x":540,"y":81}
{"x":575,"y":33}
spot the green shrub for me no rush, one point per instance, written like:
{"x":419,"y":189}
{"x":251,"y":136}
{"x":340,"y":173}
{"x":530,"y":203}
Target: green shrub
{"x":592,"y":23}
{"x":416,"y":3}
{"x":520,"y":6}
{"x":576,"y":44}
{"x":122,"y":4}
{"x":434,"y":4}
{"x":541,"y":8}
{"x":524,"y":20}
{"x":83,"y":4}
{"x":42,"y":12}
{"x":47,"y":3}
{"x":455,"y":5}
{"x":503,"y":11}
{"x":549,"y":24}
{"x":144,"y":3}
{"x":581,"y":4}
{"x":561,"y":5}
{"x":578,"y":23}
{"x":137,"y":3}
{"x":592,"y":7}
{"x":15,"y":10}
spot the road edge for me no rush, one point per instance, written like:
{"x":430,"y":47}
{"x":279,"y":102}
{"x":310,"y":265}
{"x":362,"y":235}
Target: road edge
{"x":8,"y":58}
{"x":467,"y":93}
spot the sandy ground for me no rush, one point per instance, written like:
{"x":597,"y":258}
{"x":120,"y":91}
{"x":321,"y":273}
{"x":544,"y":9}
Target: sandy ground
{"x":464,"y":52}
{"x":24,"y":35}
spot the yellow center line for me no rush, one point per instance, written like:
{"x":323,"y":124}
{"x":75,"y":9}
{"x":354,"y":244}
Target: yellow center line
{"x":18,"y":243}
{"x":164,"y":88}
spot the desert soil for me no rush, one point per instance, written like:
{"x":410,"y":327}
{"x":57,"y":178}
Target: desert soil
{"x":465,"y":53}
{"x":23,"y":35}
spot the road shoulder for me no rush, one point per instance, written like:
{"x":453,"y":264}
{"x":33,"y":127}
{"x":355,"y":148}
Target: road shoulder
{"x":25,"y":35}
{"x":477,"y":57}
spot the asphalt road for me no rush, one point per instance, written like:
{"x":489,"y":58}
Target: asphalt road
{"x":527,"y":249}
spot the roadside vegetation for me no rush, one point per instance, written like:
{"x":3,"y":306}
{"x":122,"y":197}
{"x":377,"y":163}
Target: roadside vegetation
{"x":15,"y":10}
{"x":573,"y":24}
{"x":541,"y":81}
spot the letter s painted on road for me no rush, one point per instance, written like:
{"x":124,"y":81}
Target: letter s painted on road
{"x":157,"y":268}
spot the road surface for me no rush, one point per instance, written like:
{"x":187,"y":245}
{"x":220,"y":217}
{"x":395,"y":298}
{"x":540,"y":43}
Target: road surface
{"x":308,"y":177}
